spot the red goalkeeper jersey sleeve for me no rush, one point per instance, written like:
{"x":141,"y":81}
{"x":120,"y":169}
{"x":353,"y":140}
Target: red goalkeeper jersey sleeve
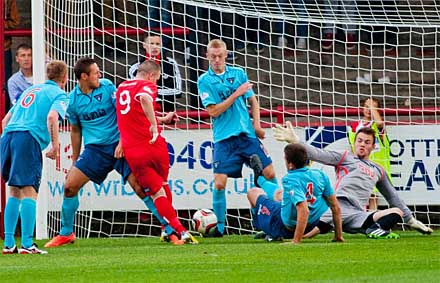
{"x":133,"y":124}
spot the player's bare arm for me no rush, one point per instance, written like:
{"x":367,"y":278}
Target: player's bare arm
{"x":119,"y":152}
{"x":315,"y":231}
{"x":301,"y":222}
{"x":337,"y":219}
{"x":375,"y":114}
{"x":53,"y":128}
{"x":147,"y":106}
{"x":76,"y":138}
{"x":170,"y":117}
{"x":255,"y":110}
{"x":214,"y":110}
{"x":376,"y":117}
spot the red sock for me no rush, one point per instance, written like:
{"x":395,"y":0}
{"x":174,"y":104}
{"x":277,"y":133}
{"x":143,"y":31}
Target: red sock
{"x":167,"y":211}
{"x":166,"y":187}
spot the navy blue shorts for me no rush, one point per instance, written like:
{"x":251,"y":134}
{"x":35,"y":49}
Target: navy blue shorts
{"x":96,"y":161}
{"x":232,"y":153}
{"x":267,"y":217}
{"x":21,"y":160}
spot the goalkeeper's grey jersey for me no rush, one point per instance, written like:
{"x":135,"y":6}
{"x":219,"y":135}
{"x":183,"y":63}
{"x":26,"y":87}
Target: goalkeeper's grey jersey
{"x":356,"y":178}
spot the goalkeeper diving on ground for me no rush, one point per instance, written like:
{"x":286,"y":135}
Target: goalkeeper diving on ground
{"x":356,"y":177}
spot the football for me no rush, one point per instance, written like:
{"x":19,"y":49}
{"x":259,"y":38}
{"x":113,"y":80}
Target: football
{"x":204,"y":221}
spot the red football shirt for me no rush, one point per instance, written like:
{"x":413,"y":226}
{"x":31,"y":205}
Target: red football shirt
{"x":133,"y":124}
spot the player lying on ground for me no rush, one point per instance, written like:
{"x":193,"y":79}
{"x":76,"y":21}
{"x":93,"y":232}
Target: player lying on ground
{"x":307,"y":194}
{"x":356,"y":178}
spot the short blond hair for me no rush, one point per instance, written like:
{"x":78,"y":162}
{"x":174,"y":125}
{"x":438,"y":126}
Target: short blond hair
{"x":56,"y":71}
{"x":148,"y":67}
{"x":216,"y":43}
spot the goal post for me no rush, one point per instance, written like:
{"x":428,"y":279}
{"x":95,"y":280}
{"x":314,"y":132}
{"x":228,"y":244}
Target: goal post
{"x":297,"y":77}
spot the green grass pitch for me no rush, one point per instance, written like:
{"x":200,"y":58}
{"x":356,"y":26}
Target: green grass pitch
{"x":413,"y":258}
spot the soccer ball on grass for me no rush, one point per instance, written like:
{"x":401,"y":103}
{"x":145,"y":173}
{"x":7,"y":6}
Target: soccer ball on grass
{"x":204,"y":221}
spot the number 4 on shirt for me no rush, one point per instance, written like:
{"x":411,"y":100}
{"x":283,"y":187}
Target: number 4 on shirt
{"x":309,"y":194}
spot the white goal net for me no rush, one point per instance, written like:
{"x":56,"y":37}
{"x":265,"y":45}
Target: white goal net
{"x":311,"y":62}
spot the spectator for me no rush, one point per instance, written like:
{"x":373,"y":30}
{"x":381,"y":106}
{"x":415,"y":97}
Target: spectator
{"x":333,"y":9}
{"x":301,"y":28}
{"x":381,"y":153}
{"x":22,"y":79}
{"x":11,"y":20}
{"x":170,"y":82}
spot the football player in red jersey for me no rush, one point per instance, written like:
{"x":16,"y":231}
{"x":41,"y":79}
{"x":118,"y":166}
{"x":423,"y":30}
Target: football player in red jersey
{"x":144,"y":148}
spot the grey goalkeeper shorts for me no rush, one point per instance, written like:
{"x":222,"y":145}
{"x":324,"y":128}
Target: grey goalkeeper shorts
{"x":352,"y":217}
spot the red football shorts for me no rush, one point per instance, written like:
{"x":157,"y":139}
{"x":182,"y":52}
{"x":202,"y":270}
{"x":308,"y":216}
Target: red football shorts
{"x":150,"y":164}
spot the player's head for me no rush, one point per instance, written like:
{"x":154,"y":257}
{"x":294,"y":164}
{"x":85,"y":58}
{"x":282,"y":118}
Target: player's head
{"x":152,"y":44}
{"x":370,"y":104}
{"x":23,"y":56}
{"x":87,"y":72}
{"x":364,"y":142}
{"x":57,"y":71}
{"x":149,"y":70}
{"x":216,"y":54}
{"x":295,"y":156}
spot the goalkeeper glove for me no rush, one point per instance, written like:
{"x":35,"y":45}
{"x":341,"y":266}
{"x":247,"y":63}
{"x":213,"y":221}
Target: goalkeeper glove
{"x":287,"y":133}
{"x":419,"y":226}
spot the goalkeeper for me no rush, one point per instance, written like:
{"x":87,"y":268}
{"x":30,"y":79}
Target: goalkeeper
{"x":381,"y":152}
{"x":356,"y":178}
